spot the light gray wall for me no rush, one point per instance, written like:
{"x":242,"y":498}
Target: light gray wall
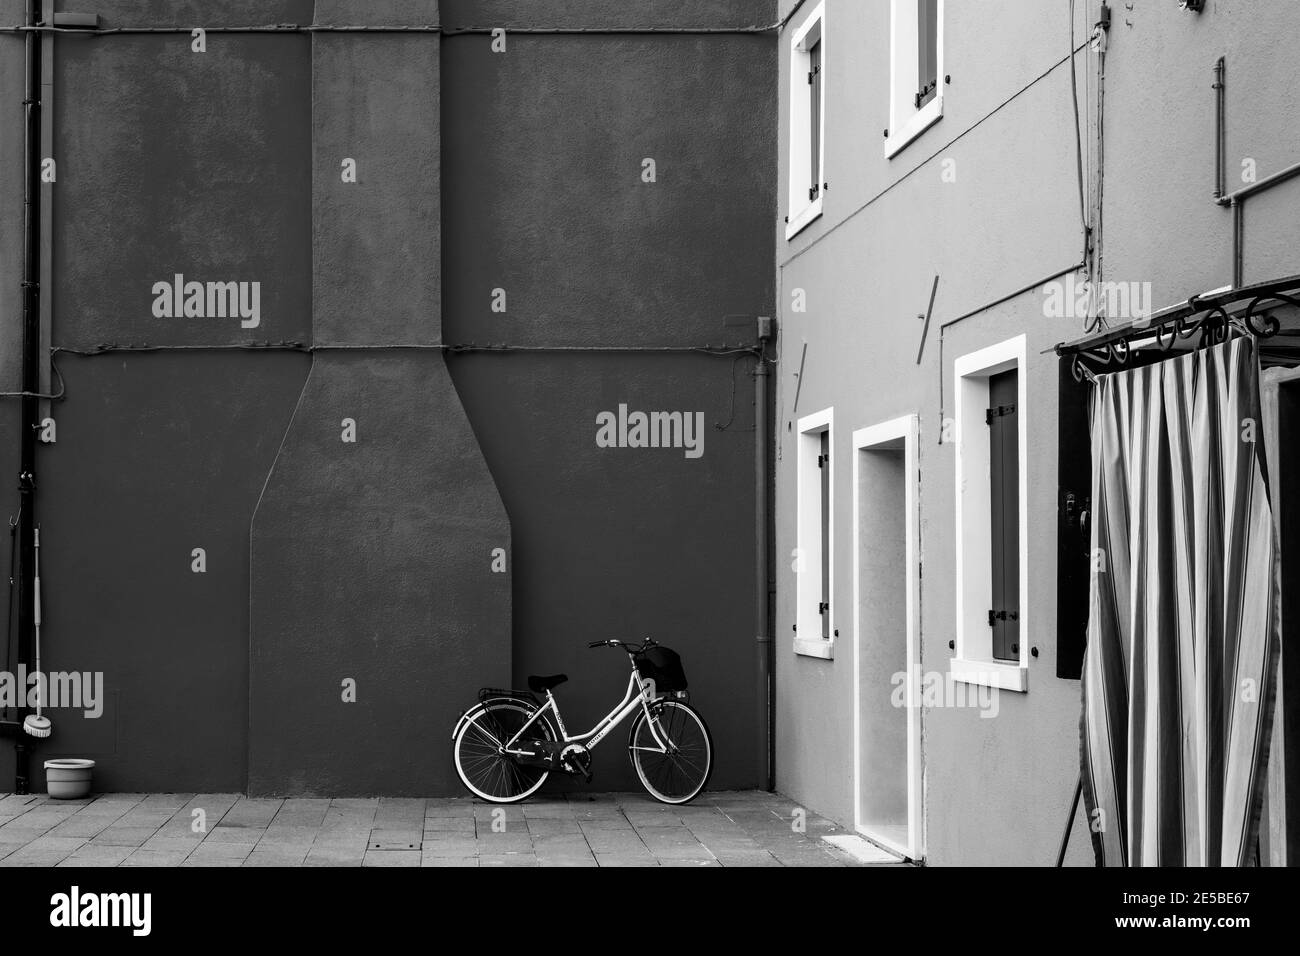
{"x":997,"y":790}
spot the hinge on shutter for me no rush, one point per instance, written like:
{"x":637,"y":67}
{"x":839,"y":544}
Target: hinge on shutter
{"x":1002,"y":616}
{"x":822,"y":607}
{"x":823,"y":460}
{"x":812,"y":73}
{"x":997,"y":411}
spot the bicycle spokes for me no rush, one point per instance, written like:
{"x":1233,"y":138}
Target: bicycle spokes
{"x":674,"y":767}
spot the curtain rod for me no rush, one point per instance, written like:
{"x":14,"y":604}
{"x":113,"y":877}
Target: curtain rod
{"x":1246,"y":309}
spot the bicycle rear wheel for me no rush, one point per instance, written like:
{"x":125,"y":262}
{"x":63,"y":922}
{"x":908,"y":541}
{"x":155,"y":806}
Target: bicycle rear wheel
{"x":487,"y":772}
{"x":675,"y":758}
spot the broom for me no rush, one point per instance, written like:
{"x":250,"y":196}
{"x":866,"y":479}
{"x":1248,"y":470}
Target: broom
{"x":35,"y":724}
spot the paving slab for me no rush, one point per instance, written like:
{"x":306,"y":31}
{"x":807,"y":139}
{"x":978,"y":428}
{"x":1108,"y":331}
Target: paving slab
{"x":573,"y":829}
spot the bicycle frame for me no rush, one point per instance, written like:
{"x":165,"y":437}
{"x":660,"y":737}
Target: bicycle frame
{"x":634,"y":697}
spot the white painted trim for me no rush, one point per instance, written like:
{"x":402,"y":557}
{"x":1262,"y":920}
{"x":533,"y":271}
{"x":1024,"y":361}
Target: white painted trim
{"x":906,"y":428}
{"x":801,"y":222}
{"x":909,"y":123}
{"x":809,"y":429}
{"x":815,"y":647}
{"x":1000,"y":674}
{"x":863,"y":851}
{"x":973,"y":661}
{"x":801,"y":210}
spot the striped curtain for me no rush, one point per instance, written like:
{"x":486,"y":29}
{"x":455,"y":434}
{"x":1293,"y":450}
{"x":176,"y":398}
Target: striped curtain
{"x":1183,"y":613}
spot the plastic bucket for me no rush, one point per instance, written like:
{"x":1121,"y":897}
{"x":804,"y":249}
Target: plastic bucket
{"x":68,"y":778}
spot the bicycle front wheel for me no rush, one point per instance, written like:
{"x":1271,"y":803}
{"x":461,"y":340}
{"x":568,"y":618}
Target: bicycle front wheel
{"x":672,"y":752}
{"x":483,"y":768}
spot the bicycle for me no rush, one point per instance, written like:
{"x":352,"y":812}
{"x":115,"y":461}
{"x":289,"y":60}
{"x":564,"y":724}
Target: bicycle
{"x":507,"y":744}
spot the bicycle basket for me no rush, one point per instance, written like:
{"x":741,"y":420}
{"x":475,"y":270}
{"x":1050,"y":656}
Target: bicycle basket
{"x":664,"y":667}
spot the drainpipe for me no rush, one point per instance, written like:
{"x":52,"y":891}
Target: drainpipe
{"x":1236,"y":200}
{"x":1220,"y":129}
{"x":31,"y":364}
{"x":762,"y":585}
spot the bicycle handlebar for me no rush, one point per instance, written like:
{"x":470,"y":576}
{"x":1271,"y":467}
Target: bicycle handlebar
{"x":631,"y":648}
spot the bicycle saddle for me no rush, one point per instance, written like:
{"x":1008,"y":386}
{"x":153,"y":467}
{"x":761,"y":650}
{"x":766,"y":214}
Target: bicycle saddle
{"x":540,"y":685}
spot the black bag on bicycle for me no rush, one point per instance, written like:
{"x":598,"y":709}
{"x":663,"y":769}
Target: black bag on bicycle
{"x":663,"y":666}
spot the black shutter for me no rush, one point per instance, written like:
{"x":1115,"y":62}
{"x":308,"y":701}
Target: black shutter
{"x":1074,"y":505}
{"x":1074,"y":513}
{"x":1004,"y":490}
{"x":824,"y":463}
{"x":815,"y":123}
{"x":927,"y":54}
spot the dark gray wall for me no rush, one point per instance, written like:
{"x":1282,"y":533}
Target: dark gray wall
{"x":157,"y":454}
{"x":372,"y":563}
{"x":371,"y":560}
{"x":542,"y":192}
{"x":11,"y":305}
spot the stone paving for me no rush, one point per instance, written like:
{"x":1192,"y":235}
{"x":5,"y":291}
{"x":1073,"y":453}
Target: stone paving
{"x":118,"y":829}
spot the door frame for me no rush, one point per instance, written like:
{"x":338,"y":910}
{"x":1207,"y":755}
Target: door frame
{"x":1274,"y":825}
{"x":888,"y":434}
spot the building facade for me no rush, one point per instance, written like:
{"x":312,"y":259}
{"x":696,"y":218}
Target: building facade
{"x":332,"y":317}
{"x":953,"y":204}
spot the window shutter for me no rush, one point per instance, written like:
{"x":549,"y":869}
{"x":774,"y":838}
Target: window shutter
{"x":815,"y":121}
{"x":927,"y":54}
{"x":825,"y":605}
{"x":1004,"y":489}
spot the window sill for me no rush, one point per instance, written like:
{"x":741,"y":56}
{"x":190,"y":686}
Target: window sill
{"x":921,"y":120}
{"x":990,"y":673}
{"x":815,"y":648}
{"x":800,"y":222}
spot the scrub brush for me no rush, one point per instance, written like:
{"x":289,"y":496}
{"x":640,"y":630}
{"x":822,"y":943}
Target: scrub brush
{"x":35,"y":724}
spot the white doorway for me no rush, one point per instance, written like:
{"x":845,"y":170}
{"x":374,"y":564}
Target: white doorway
{"x":886,"y":658}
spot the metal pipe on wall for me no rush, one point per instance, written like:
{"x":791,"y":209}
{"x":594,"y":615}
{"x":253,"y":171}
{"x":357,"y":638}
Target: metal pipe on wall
{"x":1220,"y":129}
{"x":28,"y":422}
{"x":1236,"y":200}
{"x":762,"y":600}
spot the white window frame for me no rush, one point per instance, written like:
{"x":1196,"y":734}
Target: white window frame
{"x":808,"y":520}
{"x":905,"y":430}
{"x":802,"y":210}
{"x":974,"y":662}
{"x":906,"y":122}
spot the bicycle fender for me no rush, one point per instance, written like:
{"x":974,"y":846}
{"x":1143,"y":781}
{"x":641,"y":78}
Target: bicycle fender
{"x":483,"y":705}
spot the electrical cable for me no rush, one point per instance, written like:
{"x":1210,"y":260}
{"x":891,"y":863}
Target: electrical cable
{"x":1098,"y":259}
{"x":726,"y":426}
{"x":112,"y":347}
{"x":296,"y":28}
{"x":1078,"y":137}
{"x":937,"y":153}
{"x":984,"y":308}
{"x":56,"y":396}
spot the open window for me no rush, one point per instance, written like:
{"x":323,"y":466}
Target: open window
{"x":807,"y":121}
{"x":916,"y":77}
